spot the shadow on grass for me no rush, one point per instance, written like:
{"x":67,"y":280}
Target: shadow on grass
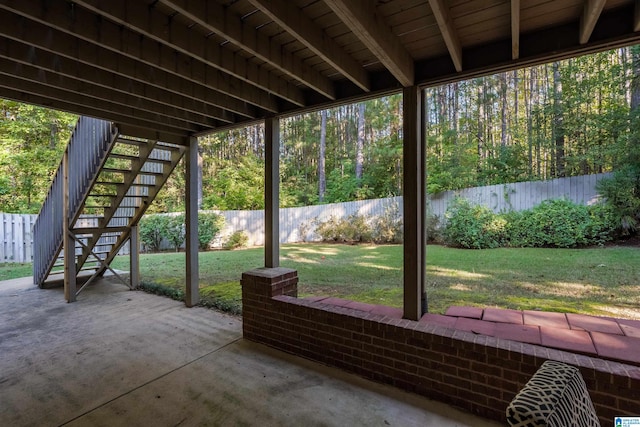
{"x":602,"y":281}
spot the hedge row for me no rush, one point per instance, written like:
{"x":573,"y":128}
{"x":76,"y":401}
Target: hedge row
{"x":553,"y":223}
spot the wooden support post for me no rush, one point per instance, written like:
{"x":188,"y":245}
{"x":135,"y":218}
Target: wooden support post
{"x":134,"y":257}
{"x":272,"y":193}
{"x":69,"y":244}
{"x":192,"y":293}
{"x":414,"y":203}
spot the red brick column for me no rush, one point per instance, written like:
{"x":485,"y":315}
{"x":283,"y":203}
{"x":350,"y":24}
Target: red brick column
{"x":259,"y":286}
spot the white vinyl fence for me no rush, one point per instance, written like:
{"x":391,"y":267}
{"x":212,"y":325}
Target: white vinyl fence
{"x":297,"y":224}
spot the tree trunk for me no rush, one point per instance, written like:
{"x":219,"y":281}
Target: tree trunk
{"x":360,"y":144}
{"x":322,"y":181}
{"x":480,"y":130}
{"x":558,"y":128}
{"x":454,"y":113}
{"x":635,"y":78}
{"x":503,"y":113}
{"x":529,"y":112}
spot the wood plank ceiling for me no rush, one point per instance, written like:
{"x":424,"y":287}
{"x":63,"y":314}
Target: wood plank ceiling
{"x":167,"y":69}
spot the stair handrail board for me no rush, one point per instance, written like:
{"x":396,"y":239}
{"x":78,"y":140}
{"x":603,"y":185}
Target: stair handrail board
{"x":86,"y":150}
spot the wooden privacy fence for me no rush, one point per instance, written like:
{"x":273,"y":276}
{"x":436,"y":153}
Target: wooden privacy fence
{"x":297,"y":224}
{"x":520,"y":196}
{"x":17,"y":237}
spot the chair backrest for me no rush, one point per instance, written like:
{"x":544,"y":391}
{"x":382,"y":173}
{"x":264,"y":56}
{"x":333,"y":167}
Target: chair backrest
{"x":556,"y":396}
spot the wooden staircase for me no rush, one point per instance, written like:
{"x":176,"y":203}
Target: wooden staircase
{"x":97,"y":201}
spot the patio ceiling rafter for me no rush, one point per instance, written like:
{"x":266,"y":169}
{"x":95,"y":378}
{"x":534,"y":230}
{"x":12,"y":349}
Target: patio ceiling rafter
{"x":82,"y":78}
{"x":515,"y":29}
{"x":443,"y":18}
{"x":592,"y":10}
{"x":374,"y":33}
{"x":126,"y":124}
{"x":294,"y":21}
{"x":62,"y":30}
{"x":149,"y":22}
{"x":33,"y":80}
{"x":218,"y":19}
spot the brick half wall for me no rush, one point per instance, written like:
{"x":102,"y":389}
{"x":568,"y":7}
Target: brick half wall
{"x":478,"y":373}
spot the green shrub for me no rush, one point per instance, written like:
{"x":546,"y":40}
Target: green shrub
{"x":174,"y":231}
{"x":158,"y":289}
{"x":602,"y":225}
{"x":622,"y":195}
{"x":353,"y":229}
{"x":357,"y":229}
{"x":561,"y":223}
{"x":209,"y":225}
{"x":432,"y":225}
{"x":473,"y":226}
{"x":388,"y":227}
{"x":237,"y":240}
{"x":329,"y":230}
{"x":152,"y":231}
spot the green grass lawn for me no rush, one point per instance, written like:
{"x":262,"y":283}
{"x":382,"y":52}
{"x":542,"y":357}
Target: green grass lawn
{"x":599,"y":281}
{"x":14,"y":271}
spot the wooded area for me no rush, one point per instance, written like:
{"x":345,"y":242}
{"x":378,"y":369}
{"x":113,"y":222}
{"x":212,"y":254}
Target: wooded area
{"x":566,"y":118}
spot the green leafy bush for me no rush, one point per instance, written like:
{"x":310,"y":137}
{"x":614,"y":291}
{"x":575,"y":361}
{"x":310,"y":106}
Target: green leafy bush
{"x":152,"y":231}
{"x":602,"y":225}
{"x":158,"y":289}
{"x":353,"y":229}
{"x":209,"y":225}
{"x":388,"y":227}
{"x":432,"y":225}
{"x":622,"y":194}
{"x":237,"y":240}
{"x":174,"y":230}
{"x":553,"y":223}
{"x":473,"y":226}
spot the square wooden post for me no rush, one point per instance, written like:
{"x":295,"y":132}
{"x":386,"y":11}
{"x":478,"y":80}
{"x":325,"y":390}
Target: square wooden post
{"x":272,"y":193}
{"x":69,"y":244}
{"x":192,"y":291}
{"x":414,"y":203}
{"x":134,"y":257}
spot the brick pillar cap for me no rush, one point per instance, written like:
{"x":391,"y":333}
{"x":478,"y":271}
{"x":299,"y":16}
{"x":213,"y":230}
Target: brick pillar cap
{"x":269,"y":272}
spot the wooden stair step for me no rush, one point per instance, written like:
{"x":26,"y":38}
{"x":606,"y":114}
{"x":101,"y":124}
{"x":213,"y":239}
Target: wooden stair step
{"x":123,"y":156}
{"x":108,"y":183}
{"x":115,"y":170}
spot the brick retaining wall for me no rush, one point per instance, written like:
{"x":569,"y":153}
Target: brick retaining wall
{"x":475,"y":372}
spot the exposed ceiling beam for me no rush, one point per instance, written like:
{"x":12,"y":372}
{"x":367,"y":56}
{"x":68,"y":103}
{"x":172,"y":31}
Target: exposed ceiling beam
{"x":175,"y":105}
{"x":220,"y":20}
{"x":151,"y":110}
{"x":145,"y":20}
{"x":590,"y":15}
{"x":372,"y":30}
{"x":124,"y":52}
{"x":636,"y":17}
{"x":449,"y":34}
{"x":515,"y":29}
{"x":125,"y":128}
{"x":36,"y":93}
{"x":294,"y":21}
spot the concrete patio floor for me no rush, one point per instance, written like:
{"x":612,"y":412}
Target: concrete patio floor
{"x":123,"y":358}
